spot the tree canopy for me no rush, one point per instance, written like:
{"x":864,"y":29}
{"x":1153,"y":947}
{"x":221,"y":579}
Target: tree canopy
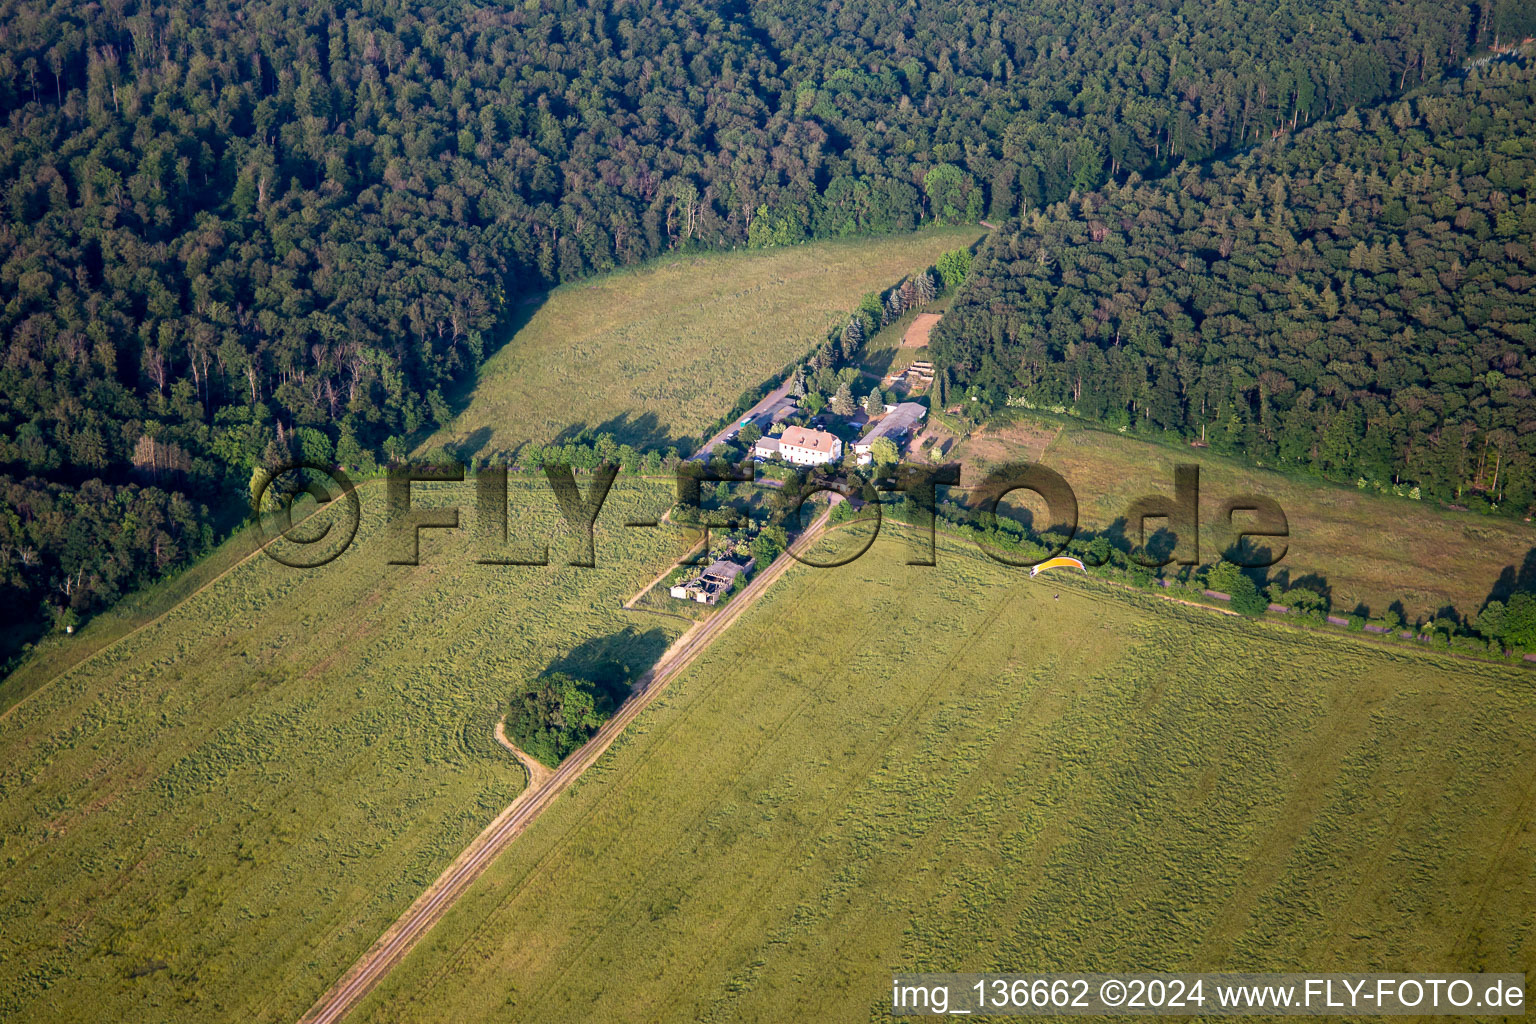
{"x":240,"y":232}
{"x":1355,"y":300}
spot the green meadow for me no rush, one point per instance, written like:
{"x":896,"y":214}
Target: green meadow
{"x":213,"y":816}
{"x":886,"y":768}
{"x":658,"y":354}
{"x":1365,"y":548}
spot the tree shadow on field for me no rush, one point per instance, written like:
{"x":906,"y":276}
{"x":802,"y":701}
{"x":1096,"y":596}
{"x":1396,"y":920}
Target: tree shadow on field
{"x":520,"y":311}
{"x":644,"y":432}
{"x":1512,"y":580}
{"x":1117,"y":534}
{"x":470,"y":445}
{"x":1313,"y":581}
{"x":1162,"y":544}
{"x":613,"y":663}
{"x":1250,"y":554}
{"x":1450,"y":613}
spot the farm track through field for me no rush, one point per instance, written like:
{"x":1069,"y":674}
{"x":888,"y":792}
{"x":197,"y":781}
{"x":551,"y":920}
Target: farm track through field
{"x":646,"y":885}
{"x":428,"y":908}
{"x":538,"y":774}
{"x":472,"y":939}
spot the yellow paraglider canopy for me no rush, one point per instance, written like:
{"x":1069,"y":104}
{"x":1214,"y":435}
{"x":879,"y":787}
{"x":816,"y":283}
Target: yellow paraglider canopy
{"x":1059,"y":562}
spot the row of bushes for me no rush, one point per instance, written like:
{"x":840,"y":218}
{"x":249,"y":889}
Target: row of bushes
{"x":1501,"y":629}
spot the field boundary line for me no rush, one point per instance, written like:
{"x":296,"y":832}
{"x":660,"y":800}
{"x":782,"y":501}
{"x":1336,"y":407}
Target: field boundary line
{"x":93,"y":655}
{"x":428,"y":908}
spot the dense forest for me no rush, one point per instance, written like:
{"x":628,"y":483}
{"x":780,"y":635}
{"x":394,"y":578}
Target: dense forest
{"x":238,"y":231}
{"x":1355,"y":300}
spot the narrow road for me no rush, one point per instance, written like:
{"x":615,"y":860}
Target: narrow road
{"x":773,"y":398}
{"x":431,"y":905}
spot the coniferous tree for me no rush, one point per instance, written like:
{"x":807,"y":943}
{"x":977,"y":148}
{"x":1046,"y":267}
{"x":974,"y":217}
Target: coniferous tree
{"x":842,"y":400}
{"x":852,"y":338}
{"x":924,"y":287}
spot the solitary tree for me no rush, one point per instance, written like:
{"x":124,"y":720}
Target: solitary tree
{"x":874,"y":403}
{"x":884,"y":452}
{"x":953,"y":267}
{"x":842,"y":400}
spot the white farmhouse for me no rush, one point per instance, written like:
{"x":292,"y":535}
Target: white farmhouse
{"x":809,"y":447}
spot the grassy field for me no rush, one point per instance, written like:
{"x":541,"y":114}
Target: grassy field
{"x":886,"y":768}
{"x":1369,"y":549}
{"x":57,"y":652}
{"x":885,"y":352}
{"x":212,"y":817}
{"x":660,"y":353}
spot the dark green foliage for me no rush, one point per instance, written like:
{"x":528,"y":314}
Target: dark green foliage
{"x":953,"y":267}
{"x":1355,"y":301}
{"x":769,"y":543}
{"x":235,"y":232}
{"x":556,"y":714}
{"x":1231,"y":580}
{"x":101,"y":541}
{"x":1512,"y":623}
{"x":586,"y":450}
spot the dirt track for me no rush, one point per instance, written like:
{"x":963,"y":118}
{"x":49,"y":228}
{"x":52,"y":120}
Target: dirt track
{"x":537,"y":772}
{"x":431,"y":905}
